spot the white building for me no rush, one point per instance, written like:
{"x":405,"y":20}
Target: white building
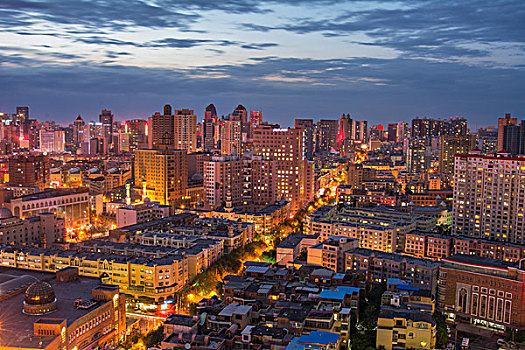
{"x":52,"y":141}
{"x":139,"y":213}
{"x":489,"y":197}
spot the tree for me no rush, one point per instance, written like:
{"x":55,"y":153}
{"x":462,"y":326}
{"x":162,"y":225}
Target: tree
{"x":441,"y":327}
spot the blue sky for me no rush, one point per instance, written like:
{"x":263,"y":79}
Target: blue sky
{"x":382,"y":61}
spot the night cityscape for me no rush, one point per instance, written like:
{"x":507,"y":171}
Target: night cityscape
{"x":262,"y":175}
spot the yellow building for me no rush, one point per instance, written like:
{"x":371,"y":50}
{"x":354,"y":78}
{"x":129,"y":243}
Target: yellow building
{"x":157,"y":279}
{"x":162,"y":175}
{"x":405,"y":329}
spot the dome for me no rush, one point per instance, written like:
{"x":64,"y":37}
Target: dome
{"x":39,"y":293}
{"x":39,"y":299}
{"x":5,"y":213}
{"x":197,"y":177}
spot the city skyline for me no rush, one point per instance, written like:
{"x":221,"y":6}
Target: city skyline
{"x":377,"y":61}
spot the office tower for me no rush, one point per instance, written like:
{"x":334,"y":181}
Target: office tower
{"x":52,"y":141}
{"x":487,"y":140}
{"x":162,"y":175}
{"x":256,"y":117}
{"x":210,"y":113}
{"x":106,"y":119}
{"x":162,"y":129}
{"x":78,"y":130}
{"x":514,"y":139}
{"x":392,"y":132}
{"x":231,"y":137}
{"x":22,"y":114}
{"x":240,"y":114}
{"x":138,"y":130}
{"x":293,"y":173}
{"x":450,"y":145}
{"x":326,"y":135}
{"x":309,"y":136}
{"x":209,"y":127}
{"x":489,"y":197}
{"x":344,"y":135}
{"x":418,"y":156}
{"x":185,"y":134}
{"x":29,"y":170}
{"x":502,"y":123}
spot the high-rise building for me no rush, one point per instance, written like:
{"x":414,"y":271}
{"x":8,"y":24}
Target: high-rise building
{"x":256,"y":117}
{"x":293,"y":173}
{"x":450,"y":145}
{"x":106,"y":119}
{"x":344,"y":134}
{"x":138,"y":130}
{"x":418,"y":156}
{"x":514,"y":139}
{"x":424,"y":128}
{"x":487,"y":140}
{"x":78,"y":130}
{"x":309,"y":136}
{"x":185,"y":134}
{"x":22,"y":114}
{"x":209,"y":127}
{"x":52,"y":141}
{"x":392,"y":132}
{"x":240,"y":114}
{"x":502,"y":123}
{"x":231,"y":137}
{"x":360,"y":131}
{"x":402,"y":131}
{"x":29,"y":170}
{"x":223,"y":182}
{"x":234,"y":182}
{"x":162,"y":175}
{"x":489,"y":197}
{"x":162,"y":129}
{"x":326,"y":135}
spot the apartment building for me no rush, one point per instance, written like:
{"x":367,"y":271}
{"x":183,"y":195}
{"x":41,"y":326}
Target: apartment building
{"x":489,"y":197}
{"x":151,"y":279}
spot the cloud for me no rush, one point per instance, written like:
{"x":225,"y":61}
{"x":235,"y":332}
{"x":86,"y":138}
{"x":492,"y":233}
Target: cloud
{"x":283,"y":88}
{"x":446,"y":30}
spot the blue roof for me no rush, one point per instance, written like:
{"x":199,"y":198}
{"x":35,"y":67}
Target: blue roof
{"x":339,"y":293}
{"x":339,"y":276}
{"x":401,"y":285}
{"x":313,"y":341}
{"x":319,"y":338}
{"x":395,"y":281}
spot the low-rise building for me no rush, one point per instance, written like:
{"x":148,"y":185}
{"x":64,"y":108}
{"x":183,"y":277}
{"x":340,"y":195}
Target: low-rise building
{"x":72,"y":205}
{"x":290,"y":248}
{"x":63,"y":313}
{"x":330,"y":253}
{"x":483,"y":292}
{"x":381,"y":266}
{"x":40,"y":230}
{"x":399,"y":328}
{"x":140,"y":213}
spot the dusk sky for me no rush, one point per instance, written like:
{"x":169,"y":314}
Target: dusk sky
{"x":383,"y":61}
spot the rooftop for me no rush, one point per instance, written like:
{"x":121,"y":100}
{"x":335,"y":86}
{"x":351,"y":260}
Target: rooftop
{"x":17,"y":327}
